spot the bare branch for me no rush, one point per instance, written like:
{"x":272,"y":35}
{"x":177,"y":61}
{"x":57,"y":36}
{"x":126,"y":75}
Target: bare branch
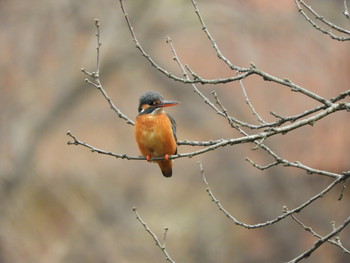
{"x":301,"y":4}
{"x":320,"y":242}
{"x":199,"y":143}
{"x":143,"y":52}
{"x":342,"y":192}
{"x":247,"y":100}
{"x":94,"y":149}
{"x":97,"y":24}
{"x":336,"y":241}
{"x":213,"y":42}
{"x":184,"y":73}
{"x":232,"y":121}
{"x":155,"y":238}
{"x":96,"y":78}
{"x":262,"y":167}
{"x":294,"y":87}
{"x":277,"y":219}
{"x":346,"y":10}
{"x":176,"y":58}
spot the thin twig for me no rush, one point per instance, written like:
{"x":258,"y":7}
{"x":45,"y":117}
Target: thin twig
{"x":144,"y":53}
{"x":97,"y":24}
{"x":212,"y":40}
{"x":199,"y":143}
{"x":342,"y":192}
{"x":247,"y":71}
{"x":320,"y":242}
{"x":262,"y":167}
{"x":346,"y":10}
{"x":96,"y":78}
{"x":335,"y":241}
{"x":322,"y":19}
{"x":230,"y":119}
{"x":272,"y":221}
{"x":184,"y":73}
{"x":294,"y":87}
{"x":155,"y":238}
{"x":247,"y":100}
{"x":300,"y":4}
{"x":76,"y":141}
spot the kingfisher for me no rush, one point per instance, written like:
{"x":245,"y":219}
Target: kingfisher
{"x":155,"y":130}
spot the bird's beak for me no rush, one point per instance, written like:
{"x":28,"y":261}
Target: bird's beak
{"x":168,"y":103}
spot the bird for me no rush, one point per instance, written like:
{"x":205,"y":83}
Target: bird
{"x":155,"y":130}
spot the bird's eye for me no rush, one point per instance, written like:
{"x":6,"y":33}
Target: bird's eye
{"x":154,"y":103}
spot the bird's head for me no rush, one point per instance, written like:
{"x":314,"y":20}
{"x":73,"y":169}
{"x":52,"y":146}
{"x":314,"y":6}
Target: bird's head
{"x":153,"y":102}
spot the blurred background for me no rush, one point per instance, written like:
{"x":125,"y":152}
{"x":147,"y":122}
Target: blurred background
{"x":63,"y":203}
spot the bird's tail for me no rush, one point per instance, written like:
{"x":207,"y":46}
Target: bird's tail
{"x":166,"y":167}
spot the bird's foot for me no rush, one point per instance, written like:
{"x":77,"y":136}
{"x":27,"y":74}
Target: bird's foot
{"x":148,"y":158}
{"x":166,"y":157}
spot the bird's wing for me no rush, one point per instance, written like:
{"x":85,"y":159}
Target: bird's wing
{"x":173,"y":126}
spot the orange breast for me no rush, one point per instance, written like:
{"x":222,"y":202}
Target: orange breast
{"x":154,"y":135}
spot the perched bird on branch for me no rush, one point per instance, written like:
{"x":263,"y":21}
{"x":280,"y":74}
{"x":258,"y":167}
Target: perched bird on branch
{"x":155,"y":130}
